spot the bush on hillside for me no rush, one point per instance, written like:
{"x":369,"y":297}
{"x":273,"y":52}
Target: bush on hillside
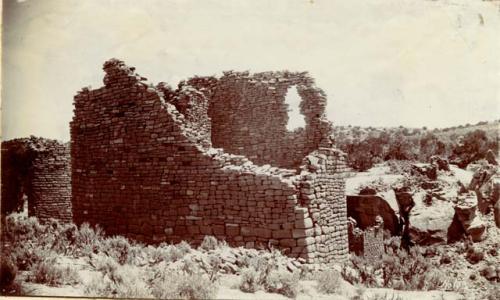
{"x":366,"y":148}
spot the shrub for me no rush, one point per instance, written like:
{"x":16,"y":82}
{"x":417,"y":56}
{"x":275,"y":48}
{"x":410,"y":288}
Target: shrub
{"x":385,"y":296}
{"x":434,"y":280}
{"x":360,"y":271}
{"x":117,"y":247}
{"x":103,"y":263}
{"x":282,"y":282}
{"x":329,"y":282}
{"x":19,"y":228}
{"x":169,"y":284}
{"x":66,"y":238}
{"x":453,"y":284}
{"x":398,"y":269}
{"x":176,"y":252}
{"x":250,"y":280}
{"x":157,"y":254}
{"x":166,"y":253}
{"x":263,"y":272}
{"x":209,"y":243}
{"x":100,"y":286}
{"x":48,"y":272}
{"x":8,"y":272}
{"x":123,"y":282}
{"x":184,"y":247}
{"x":194,"y":287}
{"x":89,"y":239}
{"x":28,"y":254}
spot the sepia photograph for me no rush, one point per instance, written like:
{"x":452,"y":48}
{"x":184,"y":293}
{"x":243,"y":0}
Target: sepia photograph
{"x":237,"y":149}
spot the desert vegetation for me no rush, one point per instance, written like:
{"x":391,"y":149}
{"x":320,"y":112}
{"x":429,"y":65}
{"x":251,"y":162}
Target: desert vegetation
{"x":84,"y":258}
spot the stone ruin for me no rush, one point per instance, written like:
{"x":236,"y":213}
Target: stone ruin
{"x":37,"y":171}
{"x":212,"y":157}
{"x":367,"y":242}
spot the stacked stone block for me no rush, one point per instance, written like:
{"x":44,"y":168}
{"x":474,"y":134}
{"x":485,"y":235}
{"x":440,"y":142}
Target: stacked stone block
{"x":141,"y":168}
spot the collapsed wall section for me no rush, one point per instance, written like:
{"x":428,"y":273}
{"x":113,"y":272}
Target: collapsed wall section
{"x":249,"y":117}
{"x":39,"y":169}
{"x":191,"y":99}
{"x":141,"y":169}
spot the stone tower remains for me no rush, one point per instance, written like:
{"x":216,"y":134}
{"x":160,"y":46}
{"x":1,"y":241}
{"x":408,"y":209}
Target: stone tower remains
{"x":212,"y":157}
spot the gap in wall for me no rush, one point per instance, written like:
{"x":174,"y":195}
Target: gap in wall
{"x":296,"y":119}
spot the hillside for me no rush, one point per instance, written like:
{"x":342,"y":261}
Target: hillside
{"x":462,"y":144}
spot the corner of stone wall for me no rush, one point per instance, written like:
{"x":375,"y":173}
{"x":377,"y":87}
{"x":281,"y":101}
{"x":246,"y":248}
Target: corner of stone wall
{"x":321,"y":216}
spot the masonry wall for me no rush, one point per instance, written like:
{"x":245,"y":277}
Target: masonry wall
{"x":249,"y":117}
{"x":141,"y":168}
{"x":373,"y":243}
{"x":368,"y":243}
{"x":40,"y":169}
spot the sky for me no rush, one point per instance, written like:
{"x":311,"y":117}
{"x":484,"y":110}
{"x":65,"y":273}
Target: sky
{"x":381,"y":62}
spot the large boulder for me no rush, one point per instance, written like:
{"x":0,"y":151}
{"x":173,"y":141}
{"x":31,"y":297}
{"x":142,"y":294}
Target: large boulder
{"x":365,"y":209}
{"x":430,"y":224}
{"x":486,"y":183}
{"x":466,"y":212}
{"x":404,"y":199}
